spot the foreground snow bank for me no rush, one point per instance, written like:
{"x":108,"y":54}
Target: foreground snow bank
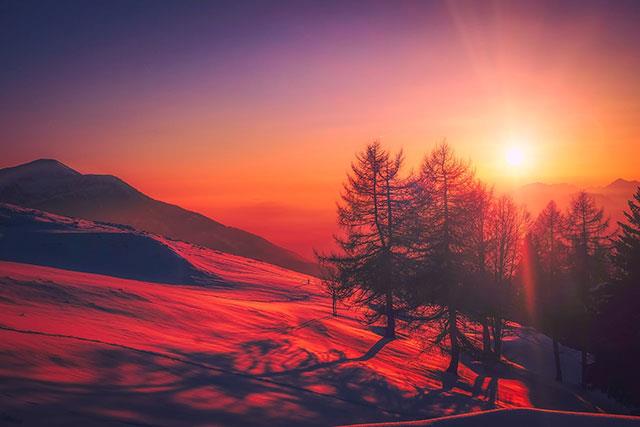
{"x":523,"y":417}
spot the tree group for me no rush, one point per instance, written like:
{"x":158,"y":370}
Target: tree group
{"x":437,"y":247}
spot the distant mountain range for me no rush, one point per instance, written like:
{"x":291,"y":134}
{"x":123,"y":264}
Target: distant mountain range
{"x":612,"y":197}
{"x":51,"y":186}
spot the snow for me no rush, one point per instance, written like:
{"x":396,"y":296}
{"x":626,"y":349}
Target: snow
{"x":35,"y":237}
{"x":254,"y":345}
{"x":521,"y":418}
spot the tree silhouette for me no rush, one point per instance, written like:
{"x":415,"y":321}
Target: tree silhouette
{"x":375,"y":200}
{"x":550,"y":250}
{"x":332,"y":284}
{"x":508,"y":226}
{"x":479,"y":298}
{"x":627,"y":244}
{"x":586,"y":230}
{"x":617,"y":334}
{"x":448,"y":184}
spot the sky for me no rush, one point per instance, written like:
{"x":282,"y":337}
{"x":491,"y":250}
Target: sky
{"x":251,"y":112}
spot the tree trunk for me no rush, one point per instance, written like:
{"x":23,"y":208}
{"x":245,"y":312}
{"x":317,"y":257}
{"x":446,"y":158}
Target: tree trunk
{"x":391,"y":317}
{"x":583,"y":363}
{"x":334,"y":307}
{"x":556,"y":358}
{"x":453,"y":337}
{"x":497,"y":337}
{"x":486,"y":339}
{"x":583,"y":358}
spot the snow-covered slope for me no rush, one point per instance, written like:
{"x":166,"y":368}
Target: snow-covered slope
{"x":35,"y":237}
{"x":521,"y":418}
{"x":258,"y":347}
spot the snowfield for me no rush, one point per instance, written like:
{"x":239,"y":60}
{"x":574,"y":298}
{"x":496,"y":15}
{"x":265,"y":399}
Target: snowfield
{"x":99,"y":330}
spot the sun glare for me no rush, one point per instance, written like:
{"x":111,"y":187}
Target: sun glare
{"x":515,"y":156}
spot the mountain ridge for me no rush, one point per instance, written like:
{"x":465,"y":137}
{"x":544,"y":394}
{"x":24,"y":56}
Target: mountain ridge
{"x":52,"y":186}
{"x":612,"y":197}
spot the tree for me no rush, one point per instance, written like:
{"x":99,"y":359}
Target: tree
{"x":508,"y":225}
{"x":375,"y":200}
{"x":586,"y":230}
{"x":479,"y":299}
{"x":332,"y":283}
{"x":447,"y":183}
{"x":550,"y":251}
{"x":627,"y":243}
{"x":617,"y":334}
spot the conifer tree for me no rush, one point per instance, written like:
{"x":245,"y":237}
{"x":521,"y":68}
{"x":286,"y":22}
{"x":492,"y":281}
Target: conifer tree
{"x":508,"y":226}
{"x":586,"y":230}
{"x":479,"y":298}
{"x":617,"y":334}
{"x":375,"y":200}
{"x":447,"y":183}
{"x":550,"y":251}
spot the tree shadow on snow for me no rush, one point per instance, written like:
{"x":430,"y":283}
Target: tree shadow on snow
{"x":371,"y":352}
{"x":116,"y":384}
{"x":141,"y":388}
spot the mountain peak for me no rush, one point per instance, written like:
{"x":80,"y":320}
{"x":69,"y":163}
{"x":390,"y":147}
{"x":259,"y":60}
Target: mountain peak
{"x":39,"y":167}
{"x":45,"y":161}
{"x":622,"y":184}
{"x":48,"y":163}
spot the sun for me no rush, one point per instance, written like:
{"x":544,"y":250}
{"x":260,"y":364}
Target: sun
{"x":515,"y":156}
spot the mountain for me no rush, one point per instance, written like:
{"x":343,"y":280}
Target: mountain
{"x":613,"y":197}
{"x":51,"y":186}
{"x":535,"y":196}
{"x":622,"y":186}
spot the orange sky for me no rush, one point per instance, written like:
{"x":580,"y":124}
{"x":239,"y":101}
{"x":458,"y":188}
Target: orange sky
{"x":257,"y":127}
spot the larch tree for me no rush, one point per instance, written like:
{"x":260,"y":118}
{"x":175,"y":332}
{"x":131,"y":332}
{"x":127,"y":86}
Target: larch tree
{"x":508,"y":227}
{"x":447,"y":182}
{"x":375,"y":200}
{"x":550,"y":251}
{"x":332,"y":283}
{"x":479,"y":300}
{"x":587,"y":232}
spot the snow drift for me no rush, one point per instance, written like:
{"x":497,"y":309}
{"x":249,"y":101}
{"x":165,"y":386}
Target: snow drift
{"x":35,"y":237}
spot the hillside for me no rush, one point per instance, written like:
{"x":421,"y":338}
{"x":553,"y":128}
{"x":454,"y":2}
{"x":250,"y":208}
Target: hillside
{"x":51,"y":186}
{"x":35,"y":237}
{"x":258,"y":348}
